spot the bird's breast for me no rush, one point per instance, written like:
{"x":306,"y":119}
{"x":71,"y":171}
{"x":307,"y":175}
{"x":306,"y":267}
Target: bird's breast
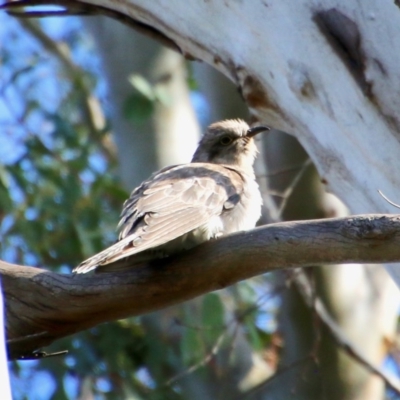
{"x":247,"y":211}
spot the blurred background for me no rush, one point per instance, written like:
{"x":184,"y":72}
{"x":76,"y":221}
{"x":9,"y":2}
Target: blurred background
{"x":88,"y":109}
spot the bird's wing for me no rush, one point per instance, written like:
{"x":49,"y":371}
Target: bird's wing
{"x":171,"y":203}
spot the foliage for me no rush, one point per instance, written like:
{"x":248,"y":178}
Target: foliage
{"x":139,"y":106}
{"x":53,"y":205}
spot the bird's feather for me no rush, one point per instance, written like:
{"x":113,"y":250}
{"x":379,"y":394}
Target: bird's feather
{"x":172,"y":203}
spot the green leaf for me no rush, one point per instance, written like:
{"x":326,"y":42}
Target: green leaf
{"x":191,"y":80}
{"x":191,"y":346}
{"x":84,"y":239}
{"x":212,"y":318}
{"x":143,"y":86}
{"x":254,"y":336}
{"x":6,"y":204}
{"x":246,"y":293}
{"x":138,"y":108}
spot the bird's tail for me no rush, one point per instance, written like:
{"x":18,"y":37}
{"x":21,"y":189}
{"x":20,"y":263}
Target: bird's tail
{"x":109,"y":255}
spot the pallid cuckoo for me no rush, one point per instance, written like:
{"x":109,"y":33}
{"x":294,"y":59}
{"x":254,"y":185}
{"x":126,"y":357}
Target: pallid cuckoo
{"x":184,"y":205}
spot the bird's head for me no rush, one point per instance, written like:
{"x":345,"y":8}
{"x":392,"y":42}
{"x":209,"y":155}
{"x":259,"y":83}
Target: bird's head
{"x":229,"y":142}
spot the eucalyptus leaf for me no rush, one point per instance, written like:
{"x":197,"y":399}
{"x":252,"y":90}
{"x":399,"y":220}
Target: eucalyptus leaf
{"x":143,"y":86}
{"x":212,"y":318}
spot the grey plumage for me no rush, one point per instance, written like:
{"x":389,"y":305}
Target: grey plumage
{"x":181,"y":206}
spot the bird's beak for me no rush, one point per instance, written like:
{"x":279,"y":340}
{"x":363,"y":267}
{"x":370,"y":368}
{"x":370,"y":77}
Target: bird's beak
{"x":256,"y":129}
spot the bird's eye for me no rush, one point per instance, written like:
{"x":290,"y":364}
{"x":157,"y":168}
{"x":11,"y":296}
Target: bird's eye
{"x":225,"y":140}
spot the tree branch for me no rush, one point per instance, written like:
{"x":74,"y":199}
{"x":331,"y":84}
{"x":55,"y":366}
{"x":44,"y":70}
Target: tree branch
{"x":43,"y":306}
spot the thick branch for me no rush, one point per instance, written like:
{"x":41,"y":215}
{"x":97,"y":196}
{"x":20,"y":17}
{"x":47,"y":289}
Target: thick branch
{"x":42,"y":306}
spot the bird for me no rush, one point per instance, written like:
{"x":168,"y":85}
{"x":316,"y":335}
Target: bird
{"x":183,"y":205}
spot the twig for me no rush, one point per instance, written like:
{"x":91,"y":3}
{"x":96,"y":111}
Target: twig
{"x":284,"y":170}
{"x":212,"y":353}
{"x":37,"y":355}
{"x":389,"y":201}
{"x":292,"y":186}
{"x":26,"y":338}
